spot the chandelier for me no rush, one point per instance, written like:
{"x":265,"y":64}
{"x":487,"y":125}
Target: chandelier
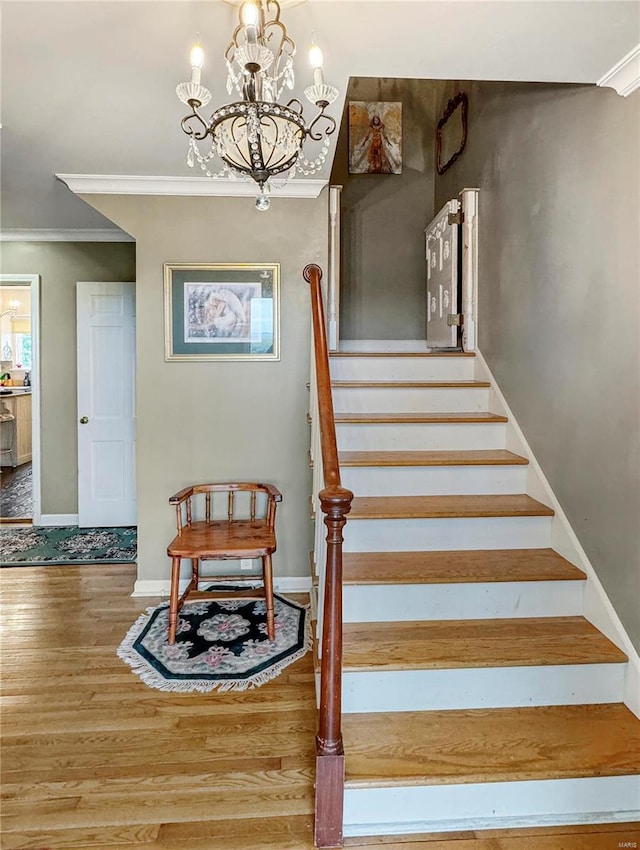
{"x":258,"y":137}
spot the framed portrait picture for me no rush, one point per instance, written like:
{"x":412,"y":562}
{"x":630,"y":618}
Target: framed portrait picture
{"x":222,"y":312}
{"x":375,"y":137}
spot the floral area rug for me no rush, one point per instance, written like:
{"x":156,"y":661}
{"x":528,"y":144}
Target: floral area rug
{"x":38,"y":547}
{"x":220,"y":645}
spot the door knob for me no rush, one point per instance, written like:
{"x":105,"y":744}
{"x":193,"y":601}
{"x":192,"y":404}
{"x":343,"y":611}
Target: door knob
{"x":84,"y":420}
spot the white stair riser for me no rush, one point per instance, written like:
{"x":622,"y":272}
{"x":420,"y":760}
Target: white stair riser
{"x":402,"y":368}
{"x":408,"y":535}
{"x":474,"y":601}
{"x":434,"y":480}
{"x":420,"y":436}
{"x":405,"y":809}
{"x":409,"y":400}
{"x":481,"y":687}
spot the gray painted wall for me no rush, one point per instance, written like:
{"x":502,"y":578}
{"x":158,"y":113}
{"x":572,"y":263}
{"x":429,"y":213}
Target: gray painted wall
{"x":61,"y":265}
{"x":200,"y":422}
{"x":559,"y":172}
{"x":383,"y":220}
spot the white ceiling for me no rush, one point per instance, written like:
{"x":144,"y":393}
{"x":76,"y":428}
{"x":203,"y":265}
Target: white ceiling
{"x":88,"y":87}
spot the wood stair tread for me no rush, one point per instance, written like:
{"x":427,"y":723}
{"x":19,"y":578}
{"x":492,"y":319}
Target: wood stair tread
{"x":389,"y":418}
{"x":498,"y":745}
{"x":585,"y":836}
{"x":452,"y":353}
{"x":448,"y":644}
{"x":429,"y":507}
{"x":427,"y":385}
{"x":478,"y":457}
{"x":467,"y":566}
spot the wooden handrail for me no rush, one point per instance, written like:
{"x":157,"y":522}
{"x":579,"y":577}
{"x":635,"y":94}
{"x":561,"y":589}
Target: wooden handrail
{"x":335,"y":502}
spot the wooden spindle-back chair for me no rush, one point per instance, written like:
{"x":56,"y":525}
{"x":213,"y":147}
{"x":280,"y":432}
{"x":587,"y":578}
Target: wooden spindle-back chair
{"x":235,"y":537}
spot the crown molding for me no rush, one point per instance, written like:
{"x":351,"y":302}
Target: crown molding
{"x":624,"y":77}
{"x":223,"y":187}
{"x":106,"y":234}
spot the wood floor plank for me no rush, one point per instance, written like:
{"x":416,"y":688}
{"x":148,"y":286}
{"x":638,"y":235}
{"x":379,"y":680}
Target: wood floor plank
{"x":448,"y":644}
{"x":580,"y":838}
{"x":468,"y":566}
{"x":558,"y":833}
{"x":138,"y":836}
{"x":418,"y":507}
{"x":477,"y":457}
{"x":387,"y":418}
{"x":499,"y":745}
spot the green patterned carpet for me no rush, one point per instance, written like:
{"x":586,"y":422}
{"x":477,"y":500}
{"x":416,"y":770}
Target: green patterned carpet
{"x":31,"y":547}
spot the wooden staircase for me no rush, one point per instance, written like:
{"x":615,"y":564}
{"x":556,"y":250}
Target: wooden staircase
{"x":474,"y":692}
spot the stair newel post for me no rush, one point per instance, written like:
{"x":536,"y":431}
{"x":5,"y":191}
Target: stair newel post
{"x":335,"y":503}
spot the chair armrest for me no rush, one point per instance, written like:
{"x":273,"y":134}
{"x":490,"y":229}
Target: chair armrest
{"x":273,"y":492}
{"x":181,"y":495}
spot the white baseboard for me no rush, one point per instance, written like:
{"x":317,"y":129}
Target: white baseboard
{"x":58,"y":519}
{"x":481,"y":824}
{"x":161,"y":587}
{"x":597,"y":605}
{"x":490,"y":805}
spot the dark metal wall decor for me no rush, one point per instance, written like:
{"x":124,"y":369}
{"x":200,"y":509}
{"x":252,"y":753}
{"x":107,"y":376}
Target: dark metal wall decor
{"x":459,"y":101}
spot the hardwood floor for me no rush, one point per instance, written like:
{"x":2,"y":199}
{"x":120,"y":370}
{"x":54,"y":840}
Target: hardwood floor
{"x":92,"y":758}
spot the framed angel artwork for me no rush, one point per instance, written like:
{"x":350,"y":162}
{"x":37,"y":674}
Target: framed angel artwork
{"x":375,"y":137}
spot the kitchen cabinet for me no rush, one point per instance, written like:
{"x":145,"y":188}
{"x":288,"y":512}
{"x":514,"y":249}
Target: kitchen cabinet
{"x":19,"y":405}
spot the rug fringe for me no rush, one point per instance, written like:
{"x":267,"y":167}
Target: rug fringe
{"x":127,"y":653}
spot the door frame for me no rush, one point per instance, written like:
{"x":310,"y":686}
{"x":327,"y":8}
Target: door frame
{"x":33,"y":280}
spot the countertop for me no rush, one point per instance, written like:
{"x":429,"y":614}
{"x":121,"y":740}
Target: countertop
{"x":14,"y":391}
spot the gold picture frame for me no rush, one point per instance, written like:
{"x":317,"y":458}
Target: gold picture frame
{"x":221,"y":311}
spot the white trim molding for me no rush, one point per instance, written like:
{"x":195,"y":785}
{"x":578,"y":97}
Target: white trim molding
{"x":224,"y":187}
{"x":58,"y":519}
{"x":624,"y":77}
{"x":161,"y":587}
{"x":105,"y":234}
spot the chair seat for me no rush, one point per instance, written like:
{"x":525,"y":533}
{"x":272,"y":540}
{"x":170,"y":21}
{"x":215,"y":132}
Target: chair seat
{"x":222,"y":539}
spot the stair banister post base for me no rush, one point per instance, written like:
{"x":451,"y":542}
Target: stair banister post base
{"x":329,"y":801}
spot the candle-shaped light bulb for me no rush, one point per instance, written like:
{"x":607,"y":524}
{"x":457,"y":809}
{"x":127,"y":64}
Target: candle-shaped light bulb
{"x":250,"y":15}
{"x":196,"y":57}
{"x":315,"y":57}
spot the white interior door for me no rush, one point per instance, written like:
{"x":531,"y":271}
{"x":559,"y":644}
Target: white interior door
{"x":106,"y":404}
{"x":442,"y":277}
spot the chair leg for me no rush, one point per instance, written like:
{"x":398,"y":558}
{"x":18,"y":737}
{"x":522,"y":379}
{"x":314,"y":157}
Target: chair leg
{"x":195,"y":573}
{"x":173,"y":600}
{"x":268,"y":595}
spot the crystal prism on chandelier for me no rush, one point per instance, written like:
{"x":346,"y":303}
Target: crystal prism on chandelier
{"x":258,"y":137}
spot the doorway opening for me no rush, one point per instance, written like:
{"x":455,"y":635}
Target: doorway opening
{"x":19,"y":399}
